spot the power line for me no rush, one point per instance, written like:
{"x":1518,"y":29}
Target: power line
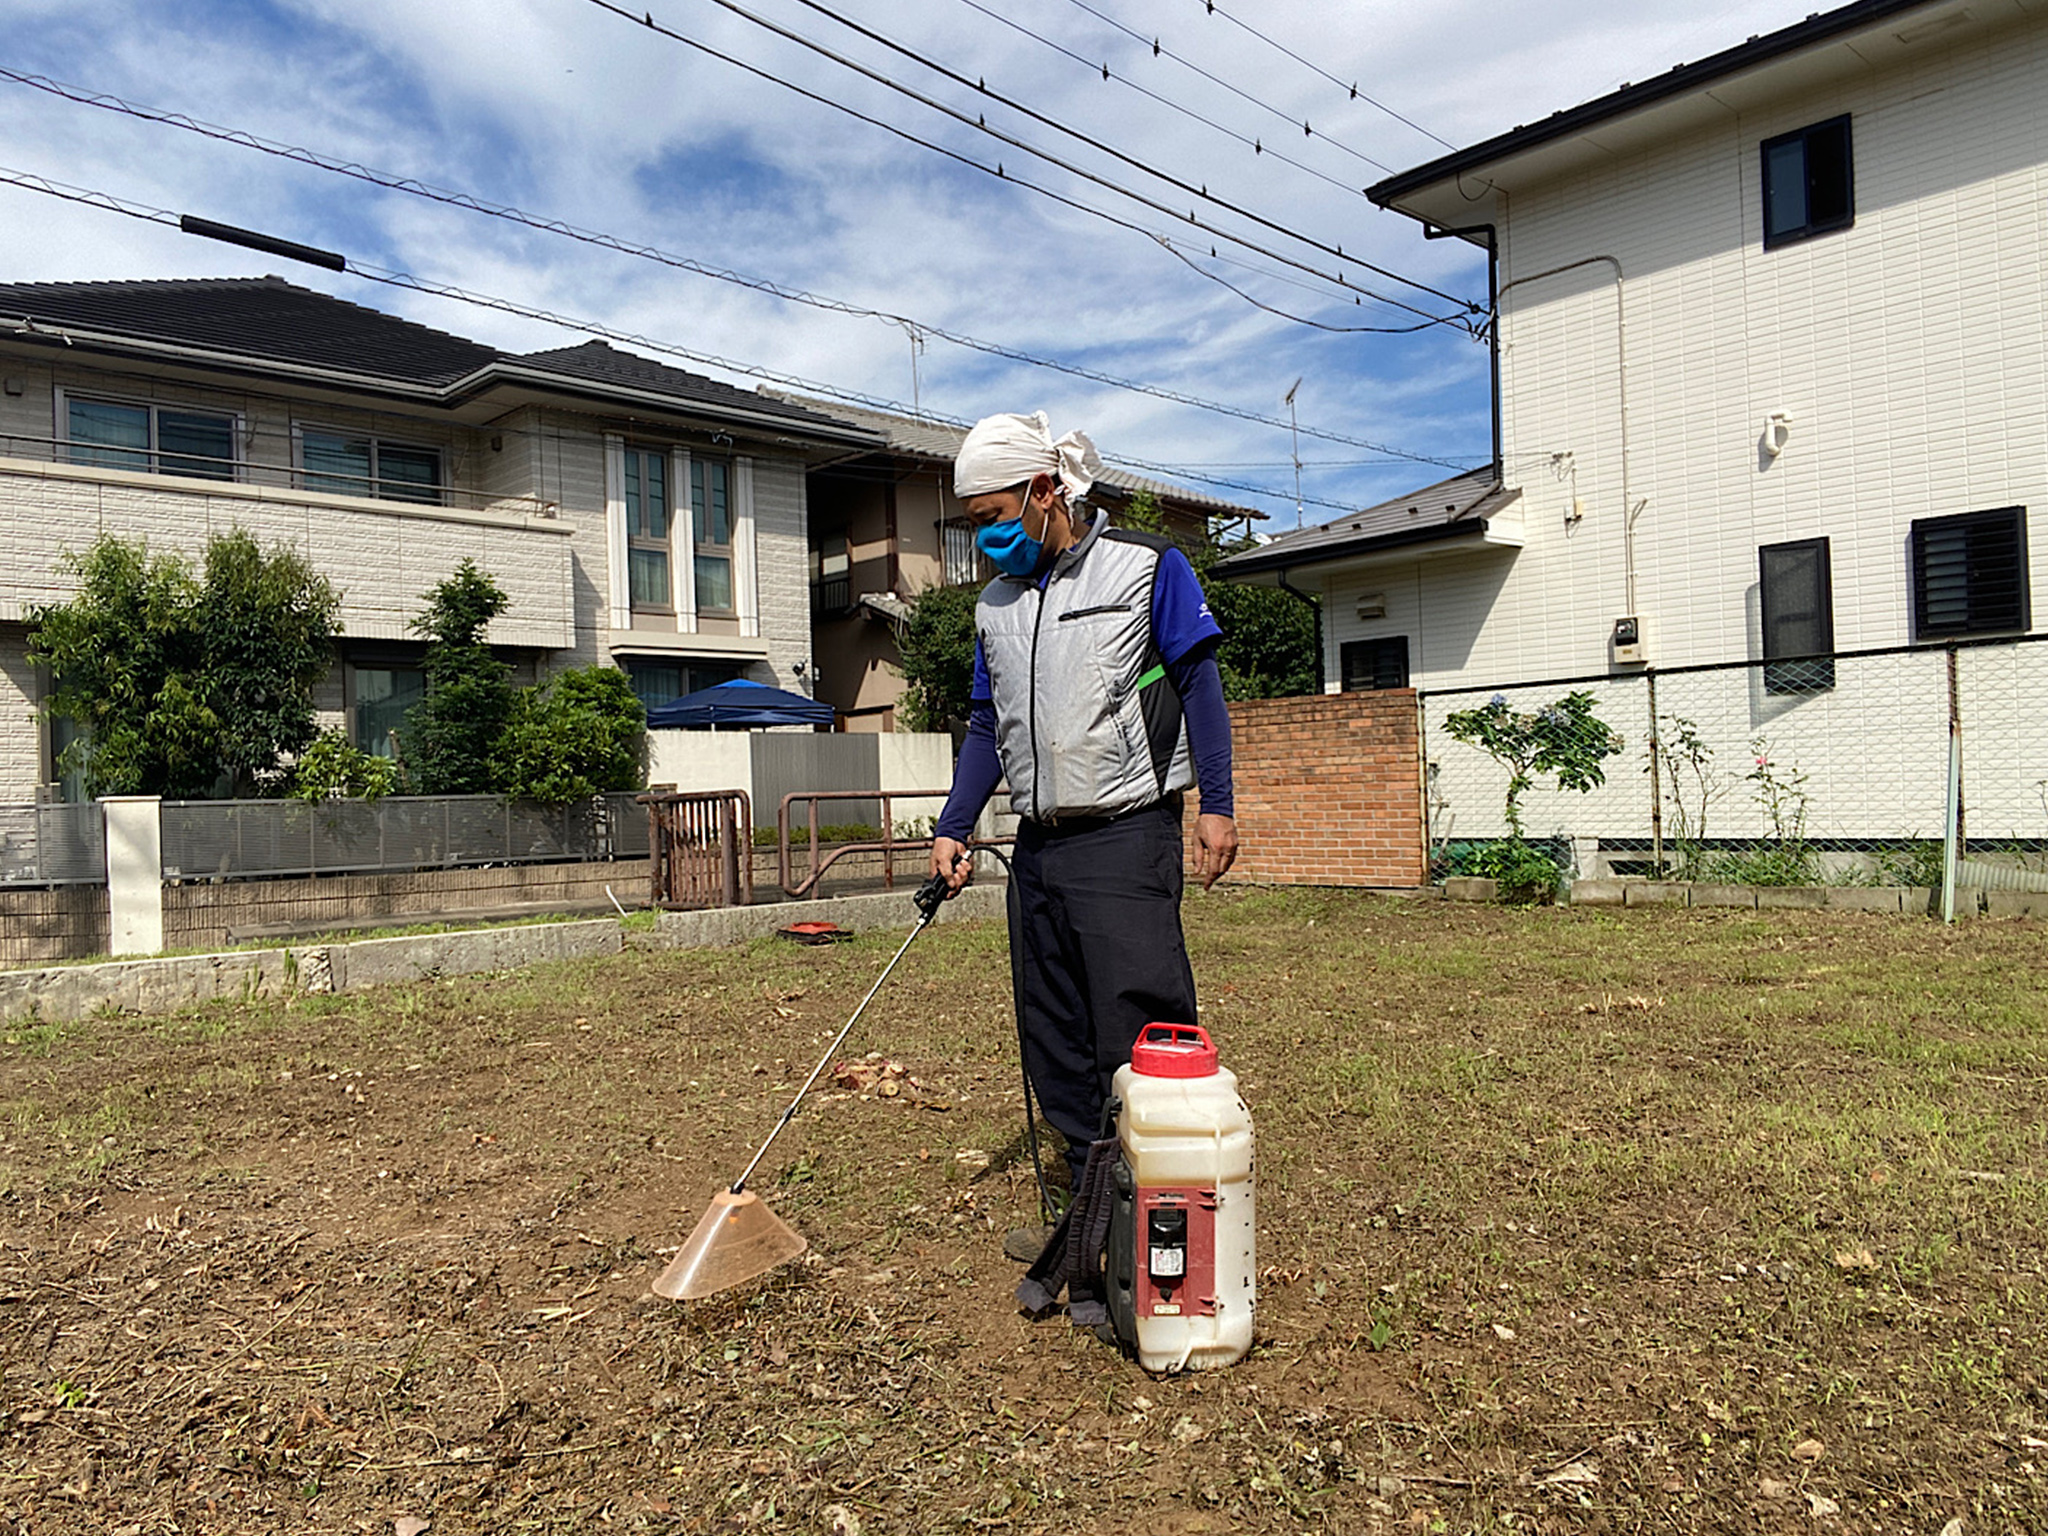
{"x":980,"y":125}
{"x":1159,"y":50}
{"x":245,"y":140}
{"x":1356,"y":94}
{"x":1258,"y":146}
{"x":1320,"y":325}
{"x":112,"y":204}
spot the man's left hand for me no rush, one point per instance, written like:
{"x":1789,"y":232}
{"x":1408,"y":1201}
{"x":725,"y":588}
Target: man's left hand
{"x":1216,"y":847}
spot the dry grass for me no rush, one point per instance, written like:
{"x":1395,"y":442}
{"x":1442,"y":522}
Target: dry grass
{"x":1569,"y":1220}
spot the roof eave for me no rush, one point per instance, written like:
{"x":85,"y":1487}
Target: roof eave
{"x":1682,"y":80}
{"x":837,"y":434}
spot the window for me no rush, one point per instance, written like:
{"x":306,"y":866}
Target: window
{"x":1370,"y":664}
{"x":711,"y":533}
{"x":383,"y":696}
{"x":1970,"y":574}
{"x":656,"y":682}
{"x":831,"y":577}
{"x":150,"y":438}
{"x":963,"y":562}
{"x":647,"y":531}
{"x":1799,"y":616}
{"x":351,"y":464}
{"x":1809,"y":184}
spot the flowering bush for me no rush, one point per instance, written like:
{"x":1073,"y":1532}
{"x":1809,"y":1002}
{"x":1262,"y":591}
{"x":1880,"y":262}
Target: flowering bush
{"x":1563,"y":739}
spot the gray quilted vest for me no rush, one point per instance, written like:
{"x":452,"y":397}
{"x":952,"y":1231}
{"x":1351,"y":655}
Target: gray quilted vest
{"x":1087,"y":722}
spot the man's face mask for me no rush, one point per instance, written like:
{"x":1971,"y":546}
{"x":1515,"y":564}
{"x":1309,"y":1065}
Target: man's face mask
{"x":1013,"y":551}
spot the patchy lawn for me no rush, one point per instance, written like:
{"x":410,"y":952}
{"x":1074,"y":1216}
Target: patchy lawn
{"x":1570,"y":1220}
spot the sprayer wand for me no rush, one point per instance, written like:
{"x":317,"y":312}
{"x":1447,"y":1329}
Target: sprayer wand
{"x":928,"y":898}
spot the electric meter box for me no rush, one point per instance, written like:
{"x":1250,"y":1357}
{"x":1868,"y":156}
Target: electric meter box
{"x":1629,"y":644}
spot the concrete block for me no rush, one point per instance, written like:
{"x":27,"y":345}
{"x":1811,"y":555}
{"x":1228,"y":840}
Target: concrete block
{"x":1865,"y":898}
{"x":1599,"y":893}
{"x":889,"y":910}
{"x":1653,"y":893}
{"x":1805,"y":898}
{"x":1471,"y":888}
{"x":1920,"y":900}
{"x":379,"y":962}
{"x":1722,"y":896}
{"x":2016,"y":903}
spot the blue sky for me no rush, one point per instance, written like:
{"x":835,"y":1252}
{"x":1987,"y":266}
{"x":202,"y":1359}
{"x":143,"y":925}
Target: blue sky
{"x":567,"y":111}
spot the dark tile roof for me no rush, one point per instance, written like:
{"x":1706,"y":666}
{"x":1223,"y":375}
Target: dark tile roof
{"x":1451,"y":507}
{"x":601,"y":363}
{"x":261,"y":318}
{"x":1817,"y":28}
{"x":268,"y":320}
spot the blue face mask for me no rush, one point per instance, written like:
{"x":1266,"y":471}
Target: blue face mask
{"x":1014,"y":552}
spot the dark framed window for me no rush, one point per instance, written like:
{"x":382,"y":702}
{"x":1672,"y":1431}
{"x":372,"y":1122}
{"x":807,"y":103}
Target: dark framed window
{"x":657,"y":682}
{"x":155,"y":439}
{"x":711,"y":525}
{"x":384,"y":694}
{"x":1799,"y":616}
{"x":1370,"y":664}
{"x":352,"y":464}
{"x":1969,"y":574}
{"x":647,"y":530}
{"x":1809,"y":183}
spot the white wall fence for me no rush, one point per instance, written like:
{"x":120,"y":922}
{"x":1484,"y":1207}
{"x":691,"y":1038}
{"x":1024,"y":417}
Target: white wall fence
{"x":769,"y":764}
{"x":1845,"y":757}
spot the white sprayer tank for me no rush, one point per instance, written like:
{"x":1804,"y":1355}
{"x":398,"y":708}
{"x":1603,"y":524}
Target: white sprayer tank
{"x":1187,"y":1139}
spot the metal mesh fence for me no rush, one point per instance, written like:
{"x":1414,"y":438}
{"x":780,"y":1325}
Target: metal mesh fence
{"x":1829,"y":770}
{"x":52,"y":845}
{"x":229,"y":839}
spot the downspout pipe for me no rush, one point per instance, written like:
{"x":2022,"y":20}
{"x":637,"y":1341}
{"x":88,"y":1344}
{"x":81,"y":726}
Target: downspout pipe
{"x":1492,"y":235}
{"x":1315,"y":607}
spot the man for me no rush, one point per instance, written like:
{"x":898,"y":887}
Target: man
{"x":1096,"y":693}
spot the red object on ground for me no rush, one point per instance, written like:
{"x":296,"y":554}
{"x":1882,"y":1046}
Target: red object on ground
{"x":1174,"y":1050}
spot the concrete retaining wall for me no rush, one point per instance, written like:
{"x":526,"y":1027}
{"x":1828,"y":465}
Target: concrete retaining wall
{"x":180,"y":981}
{"x":52,"y":923}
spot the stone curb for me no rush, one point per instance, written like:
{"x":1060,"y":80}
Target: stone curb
{"x":1911,"y":900}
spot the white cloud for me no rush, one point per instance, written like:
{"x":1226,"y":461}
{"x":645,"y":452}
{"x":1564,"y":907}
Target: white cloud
{"x":561,"y":108}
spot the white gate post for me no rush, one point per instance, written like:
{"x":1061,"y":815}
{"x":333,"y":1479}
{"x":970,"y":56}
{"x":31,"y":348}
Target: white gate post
{"x":135,"y":873}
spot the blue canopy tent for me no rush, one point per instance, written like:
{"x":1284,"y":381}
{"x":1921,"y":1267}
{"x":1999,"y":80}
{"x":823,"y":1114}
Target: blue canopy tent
{"x":740,"y":703}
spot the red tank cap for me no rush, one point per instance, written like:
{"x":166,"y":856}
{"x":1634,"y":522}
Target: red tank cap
{"x":1173,"y":1050}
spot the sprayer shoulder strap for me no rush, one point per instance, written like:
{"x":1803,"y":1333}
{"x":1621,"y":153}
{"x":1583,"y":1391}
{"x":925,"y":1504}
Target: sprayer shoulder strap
{"x":1072,"y":1259}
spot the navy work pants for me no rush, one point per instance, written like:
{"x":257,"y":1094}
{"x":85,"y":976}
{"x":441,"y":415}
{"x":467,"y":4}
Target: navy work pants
{"x":1095,"y":917}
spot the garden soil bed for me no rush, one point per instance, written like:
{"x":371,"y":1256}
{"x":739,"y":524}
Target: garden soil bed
{"x":1686,"y":1220}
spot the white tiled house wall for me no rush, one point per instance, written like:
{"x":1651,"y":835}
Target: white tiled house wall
{"x":1907,"y":350}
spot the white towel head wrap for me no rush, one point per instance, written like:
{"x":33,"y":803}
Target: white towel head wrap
{"x":1002,"y":451}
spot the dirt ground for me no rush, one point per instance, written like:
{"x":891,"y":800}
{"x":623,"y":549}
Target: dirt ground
{"x":1568,"y":1221}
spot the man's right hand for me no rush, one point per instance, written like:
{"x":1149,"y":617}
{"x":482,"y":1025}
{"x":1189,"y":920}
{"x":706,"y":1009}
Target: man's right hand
{"x":949,"y":858}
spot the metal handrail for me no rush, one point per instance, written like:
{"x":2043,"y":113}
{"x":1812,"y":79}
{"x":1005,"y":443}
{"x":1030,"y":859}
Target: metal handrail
{"x":889,"y":846}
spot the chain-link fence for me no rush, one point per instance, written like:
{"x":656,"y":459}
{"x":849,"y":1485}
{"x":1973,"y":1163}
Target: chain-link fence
{"x":52,"y":845}
{"x":232,"y":839}
{"x":1825,"y":770}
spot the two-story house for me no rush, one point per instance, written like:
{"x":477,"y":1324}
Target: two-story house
{"x":884,"y":526}
{"x":1770,"y":384}
{"x":635,"y":513}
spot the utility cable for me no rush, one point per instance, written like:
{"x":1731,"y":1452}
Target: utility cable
{"x":1257,"y":146}
{"x":557,"y":227}
{"x":244,"y":139}
{"x":112,"y":204}
{"x":1159,"y":50}
{"x":980,"y":125}
{"x":1356,"y":94}
{"x":981,"y":85}
{"x":1320,"y":325}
